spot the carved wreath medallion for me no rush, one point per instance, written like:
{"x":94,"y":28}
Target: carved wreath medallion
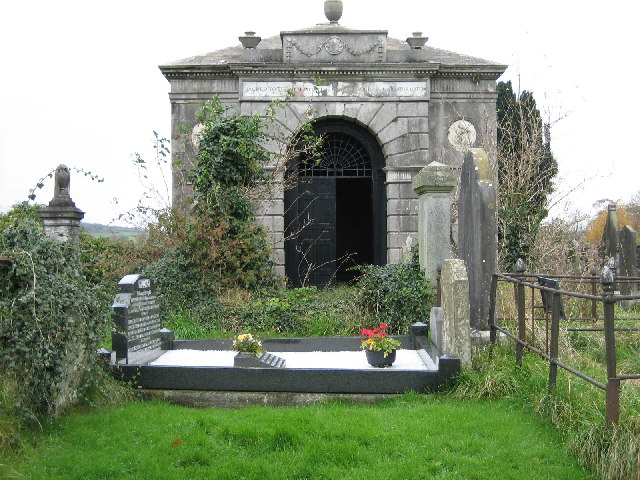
{"x":334,"y":45}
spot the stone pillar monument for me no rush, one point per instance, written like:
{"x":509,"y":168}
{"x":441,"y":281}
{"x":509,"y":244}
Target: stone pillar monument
{"x":434,"y":184}
{"x":62,"y":218}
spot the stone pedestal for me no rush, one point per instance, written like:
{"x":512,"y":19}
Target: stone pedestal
{"x":62,"y":218}
{"x":434,"y":184}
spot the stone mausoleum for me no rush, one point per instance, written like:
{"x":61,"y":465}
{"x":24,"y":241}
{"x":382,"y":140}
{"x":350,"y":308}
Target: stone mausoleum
{"x":385,"y":107}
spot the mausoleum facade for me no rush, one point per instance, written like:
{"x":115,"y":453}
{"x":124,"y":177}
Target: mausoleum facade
{"x":386,"y":108}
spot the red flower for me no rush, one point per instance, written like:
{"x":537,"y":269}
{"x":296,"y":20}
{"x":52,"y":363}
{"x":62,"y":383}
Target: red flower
{"x":367,"y":332}
{"x":383,"y":325}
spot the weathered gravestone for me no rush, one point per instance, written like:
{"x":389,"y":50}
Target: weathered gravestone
{"x":628,"y":258}
{"x":455,"y":335}
{"x":478,"y":232}
{"x":136,"y":315}
{"x":610,"y":234}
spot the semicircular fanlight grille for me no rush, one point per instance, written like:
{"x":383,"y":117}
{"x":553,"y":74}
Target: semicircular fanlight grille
{"x":340,"y":155}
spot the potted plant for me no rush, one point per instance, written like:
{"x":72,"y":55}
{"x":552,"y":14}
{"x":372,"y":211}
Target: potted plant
{"x":247,"y":344}
{"x":379,"y":346}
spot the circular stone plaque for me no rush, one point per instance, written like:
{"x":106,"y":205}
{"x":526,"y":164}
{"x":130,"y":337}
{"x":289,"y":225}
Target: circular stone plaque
{"x":462,"y":135}
{"x":195,"y":134}
{"x":334,"y":46}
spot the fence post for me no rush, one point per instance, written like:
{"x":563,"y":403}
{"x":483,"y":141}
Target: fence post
{"x":613,"y":383}
{"x":493,"y":293}
{"x":594,"y":292}
{"x":553,"y":347}
{"x":520,"y":269}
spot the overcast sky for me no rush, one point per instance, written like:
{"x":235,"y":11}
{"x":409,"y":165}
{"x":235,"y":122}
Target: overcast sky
{"x":79,"y":82}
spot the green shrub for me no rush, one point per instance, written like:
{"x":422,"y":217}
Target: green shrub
{"x":397,"y":295}
{"x":180,"y":288}
{"x":51,"y":319}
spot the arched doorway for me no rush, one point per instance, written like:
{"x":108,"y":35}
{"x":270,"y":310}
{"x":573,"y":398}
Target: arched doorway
{"x":335,"y":207}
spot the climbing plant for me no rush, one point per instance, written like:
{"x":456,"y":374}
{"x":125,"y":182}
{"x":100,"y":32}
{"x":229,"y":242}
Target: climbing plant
{"x":51,"y":318}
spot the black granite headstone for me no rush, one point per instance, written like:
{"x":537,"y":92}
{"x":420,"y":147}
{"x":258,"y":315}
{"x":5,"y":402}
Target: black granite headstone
{"x":547,"y":297}
{"x":136,"y":316}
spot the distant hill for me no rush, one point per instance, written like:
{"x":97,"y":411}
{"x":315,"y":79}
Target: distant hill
{"x":99,"y":230}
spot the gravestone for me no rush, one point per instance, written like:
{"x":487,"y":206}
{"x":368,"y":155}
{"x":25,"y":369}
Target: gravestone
{"x":455,"y":334}
{"x":547,"y":297}
{"x":628,"y":258}
{"x":136,"y":316}
{"x":610,"y":234}
{"x":435,"y":326}
{"x":478,"y":232}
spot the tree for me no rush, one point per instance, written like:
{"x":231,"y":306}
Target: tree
{"x":526,"y":169}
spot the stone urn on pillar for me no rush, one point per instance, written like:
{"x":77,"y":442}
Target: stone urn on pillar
{"x":333,"y":10}
{"x":61,"y":218}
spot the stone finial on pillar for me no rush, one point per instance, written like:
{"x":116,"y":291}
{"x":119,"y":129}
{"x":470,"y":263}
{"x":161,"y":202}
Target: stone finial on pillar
{"x":434,"y":184}
{"x":62,"y":218}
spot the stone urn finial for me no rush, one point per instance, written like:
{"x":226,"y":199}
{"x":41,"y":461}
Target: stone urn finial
{"x":417,"y":41}
{"x":61,"y":195}
{"x":333,"y":10}
{"x":250,"y":40}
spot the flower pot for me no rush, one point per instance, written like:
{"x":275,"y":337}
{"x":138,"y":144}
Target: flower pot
{"x":377,"y":358}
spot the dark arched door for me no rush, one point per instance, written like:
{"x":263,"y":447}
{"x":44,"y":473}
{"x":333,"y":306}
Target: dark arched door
{"x":335,"y":207}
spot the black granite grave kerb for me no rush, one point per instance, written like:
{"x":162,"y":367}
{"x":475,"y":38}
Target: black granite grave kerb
{"x":233,"y":379}
{"x":138,"y":340}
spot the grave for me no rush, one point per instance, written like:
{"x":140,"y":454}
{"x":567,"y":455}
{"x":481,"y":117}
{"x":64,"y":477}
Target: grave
{"x":436,"y":369}
{"x":138,"y":342}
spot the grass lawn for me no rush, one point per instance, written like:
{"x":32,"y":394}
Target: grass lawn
{"x":411,"y":437}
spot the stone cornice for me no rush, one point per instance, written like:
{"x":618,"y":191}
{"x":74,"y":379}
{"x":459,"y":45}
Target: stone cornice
{"x":283,"y":70}
{"x":481,"y":72}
